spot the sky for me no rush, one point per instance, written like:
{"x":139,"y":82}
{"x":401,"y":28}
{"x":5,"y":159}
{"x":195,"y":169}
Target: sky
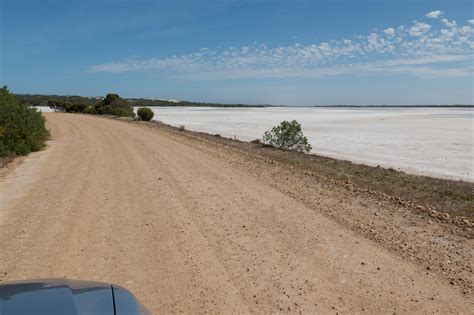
{"x":294,"y":52}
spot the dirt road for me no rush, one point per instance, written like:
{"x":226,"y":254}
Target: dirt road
{"x":191,"y":226}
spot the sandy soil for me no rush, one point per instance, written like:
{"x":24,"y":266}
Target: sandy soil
{"x":190,"y":225}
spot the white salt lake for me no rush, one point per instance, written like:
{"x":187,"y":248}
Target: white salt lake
{"x":428,"y":141}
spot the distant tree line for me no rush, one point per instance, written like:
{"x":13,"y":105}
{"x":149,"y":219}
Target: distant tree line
{"x":158,"y":103}
{"x":111,"y":104}
{"x":43,"y":100}
{"x":81,"y":101}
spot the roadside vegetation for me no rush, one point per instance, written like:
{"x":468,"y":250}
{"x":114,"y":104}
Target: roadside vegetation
{"x":112,"y":104}
{"x":22,"y":128}
{"x":145,"y":114}
{"x":287,"y":136}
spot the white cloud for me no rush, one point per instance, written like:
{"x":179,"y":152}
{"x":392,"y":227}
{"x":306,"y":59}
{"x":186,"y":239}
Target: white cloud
{"x":372,"y":39}
{"x":471,"y":22}
{"x":419,"y":28}
{"x":449,"y":24}
{"x":421,"y":67}
{"x":466,"y":29}
{"x":389,"y":31}
{"x":419,"y":49}
{"x":447,"y":35}
{"x":434,"y":14}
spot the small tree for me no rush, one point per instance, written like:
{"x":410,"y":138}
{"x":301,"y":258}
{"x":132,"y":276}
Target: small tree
{"x":145,"y":113}
{"x":114,"y":105}
{"x":287,"y":136}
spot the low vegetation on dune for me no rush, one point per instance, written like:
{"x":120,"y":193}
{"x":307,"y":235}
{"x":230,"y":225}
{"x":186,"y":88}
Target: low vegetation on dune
{"x":22,"y":129}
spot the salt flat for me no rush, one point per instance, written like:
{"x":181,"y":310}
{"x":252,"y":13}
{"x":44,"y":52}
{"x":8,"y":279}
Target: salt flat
{"x":430,"y":141}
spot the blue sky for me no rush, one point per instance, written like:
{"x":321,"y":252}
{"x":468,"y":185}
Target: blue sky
{"x":267,"y":52}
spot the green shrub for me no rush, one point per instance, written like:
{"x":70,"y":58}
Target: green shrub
{"x":90,"y":110}
{"x":22,"y":129}
{"x":113,"y":104}
{"x":67,"y":106}
{"x":76,"y":108}
{"x":287,"y":136}
{"x":145,"y":113}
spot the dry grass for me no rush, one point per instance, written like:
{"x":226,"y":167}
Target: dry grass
{"x":454,"y":197}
